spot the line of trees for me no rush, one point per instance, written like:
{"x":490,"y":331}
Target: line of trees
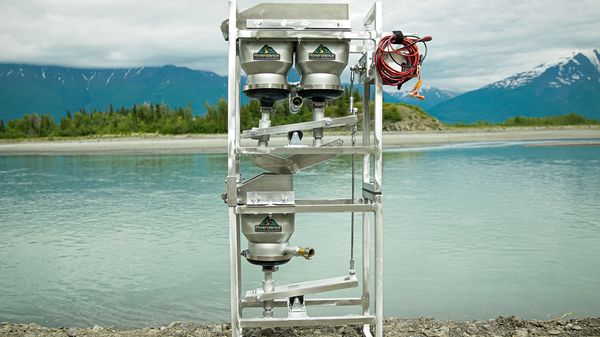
{"x":568,"y":119}
{"x":571,"y":118}
{"x":161,"y":119}
{"x":155,"y":118}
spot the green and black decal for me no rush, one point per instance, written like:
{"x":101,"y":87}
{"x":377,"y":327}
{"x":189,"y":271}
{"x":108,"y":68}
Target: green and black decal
{"x":322,"y":53}
{"x":267,"y":53}
{"x":268,"y":225}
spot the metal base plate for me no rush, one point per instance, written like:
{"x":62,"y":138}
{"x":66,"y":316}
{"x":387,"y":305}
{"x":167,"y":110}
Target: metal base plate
{"x":309,"y":321}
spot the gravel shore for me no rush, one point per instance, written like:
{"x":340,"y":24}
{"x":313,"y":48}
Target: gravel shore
{"x":393,"y":327}
{"x":217,"y":143}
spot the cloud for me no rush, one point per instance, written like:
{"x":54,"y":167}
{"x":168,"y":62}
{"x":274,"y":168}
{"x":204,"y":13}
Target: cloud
{"x":475,"y":42}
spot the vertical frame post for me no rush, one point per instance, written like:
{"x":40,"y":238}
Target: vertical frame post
{"x":378,"y":175}
{"x":233,"y":73}
{"x":366,"y":229}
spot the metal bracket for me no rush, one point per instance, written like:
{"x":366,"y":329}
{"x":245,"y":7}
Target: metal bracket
{"x":231,"y":193}
{"x":365,"y":63}
{"x":265,"y":198}
{"x":296,"y":307}
{"x":368,"y":191}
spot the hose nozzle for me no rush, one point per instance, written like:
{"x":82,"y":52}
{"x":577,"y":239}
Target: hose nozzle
{"x":305,"y":252}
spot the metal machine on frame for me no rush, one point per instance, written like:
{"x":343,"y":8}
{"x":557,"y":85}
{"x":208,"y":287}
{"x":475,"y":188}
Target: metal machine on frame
{"x":266,"y":41}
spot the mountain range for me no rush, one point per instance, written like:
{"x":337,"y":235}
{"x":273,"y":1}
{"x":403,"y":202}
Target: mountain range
{"x":56,"y":90}
{"x":571,"y":84}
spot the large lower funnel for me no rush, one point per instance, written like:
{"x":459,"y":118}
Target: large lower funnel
{"x":268,"y":234}
{"x":320,"y":63}
{"x":267,"y":64}
{"x":268,"y":238}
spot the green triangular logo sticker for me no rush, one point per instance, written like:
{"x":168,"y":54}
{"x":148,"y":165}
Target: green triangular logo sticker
{"x":321,"y":49}
{"x":267,"y":50}
{"x":268,"y":225}
{"x":266,"y":53}
{"x":322,"y":53}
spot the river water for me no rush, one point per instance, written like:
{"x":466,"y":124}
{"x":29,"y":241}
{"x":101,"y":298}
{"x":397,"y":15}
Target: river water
{"x":471,"y":232}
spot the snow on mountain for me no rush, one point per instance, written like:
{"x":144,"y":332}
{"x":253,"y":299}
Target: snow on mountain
{"x":593,"y":56}
{"x":569,"y":84}
{"x":567,"y":71}
{"x":55,"y":90}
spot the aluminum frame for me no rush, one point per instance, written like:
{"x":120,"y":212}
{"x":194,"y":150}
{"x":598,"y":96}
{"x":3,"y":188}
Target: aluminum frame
{"x":369,"y":205}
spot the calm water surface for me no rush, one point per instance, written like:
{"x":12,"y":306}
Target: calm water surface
{"x":471,"y":232}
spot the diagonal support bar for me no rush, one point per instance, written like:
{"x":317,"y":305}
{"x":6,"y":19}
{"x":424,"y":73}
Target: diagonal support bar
{"x":325,"y":123}
{"x":302,"y":288}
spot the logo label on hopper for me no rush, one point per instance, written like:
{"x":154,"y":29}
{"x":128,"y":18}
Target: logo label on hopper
{"x":266,"y":53}
{"x":268,"y":225}
{"x":322,"y":53}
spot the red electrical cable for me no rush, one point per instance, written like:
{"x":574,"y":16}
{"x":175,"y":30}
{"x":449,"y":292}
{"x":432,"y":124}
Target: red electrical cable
{"x":403,"y":62}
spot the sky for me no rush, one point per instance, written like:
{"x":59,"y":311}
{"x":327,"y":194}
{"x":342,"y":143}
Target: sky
{"x":475,"y":42}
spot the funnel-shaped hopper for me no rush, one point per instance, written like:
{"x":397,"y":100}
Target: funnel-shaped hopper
{"x":267,"y":64}
{"x":320,"y":63}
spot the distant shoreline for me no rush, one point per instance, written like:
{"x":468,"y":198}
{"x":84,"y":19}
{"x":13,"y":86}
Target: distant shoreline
{"x":189,"y":144}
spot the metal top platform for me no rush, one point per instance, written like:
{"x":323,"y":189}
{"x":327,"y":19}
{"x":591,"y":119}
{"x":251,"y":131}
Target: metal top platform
{"x":293,"y":16}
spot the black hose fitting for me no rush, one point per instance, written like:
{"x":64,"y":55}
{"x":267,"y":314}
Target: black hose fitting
{"x":398,"y":37}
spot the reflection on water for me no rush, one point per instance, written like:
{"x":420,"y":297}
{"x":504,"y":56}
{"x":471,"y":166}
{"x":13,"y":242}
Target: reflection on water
{"x":470,"y":232}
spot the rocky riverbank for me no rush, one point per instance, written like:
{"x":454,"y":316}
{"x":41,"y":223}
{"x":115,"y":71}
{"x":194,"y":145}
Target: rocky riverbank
{"x":393,"y":327}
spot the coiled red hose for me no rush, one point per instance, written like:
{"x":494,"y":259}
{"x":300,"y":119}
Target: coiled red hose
{"x":403,"y":60}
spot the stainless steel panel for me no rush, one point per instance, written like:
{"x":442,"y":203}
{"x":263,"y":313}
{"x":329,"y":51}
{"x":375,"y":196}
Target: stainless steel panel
{"x":294,"y":163}
{"x":307,"y":11}
{"x":265,"y":198}
{"x":313,"y":13}
{"x":265,"y":182}
{"x":273,"y":163}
